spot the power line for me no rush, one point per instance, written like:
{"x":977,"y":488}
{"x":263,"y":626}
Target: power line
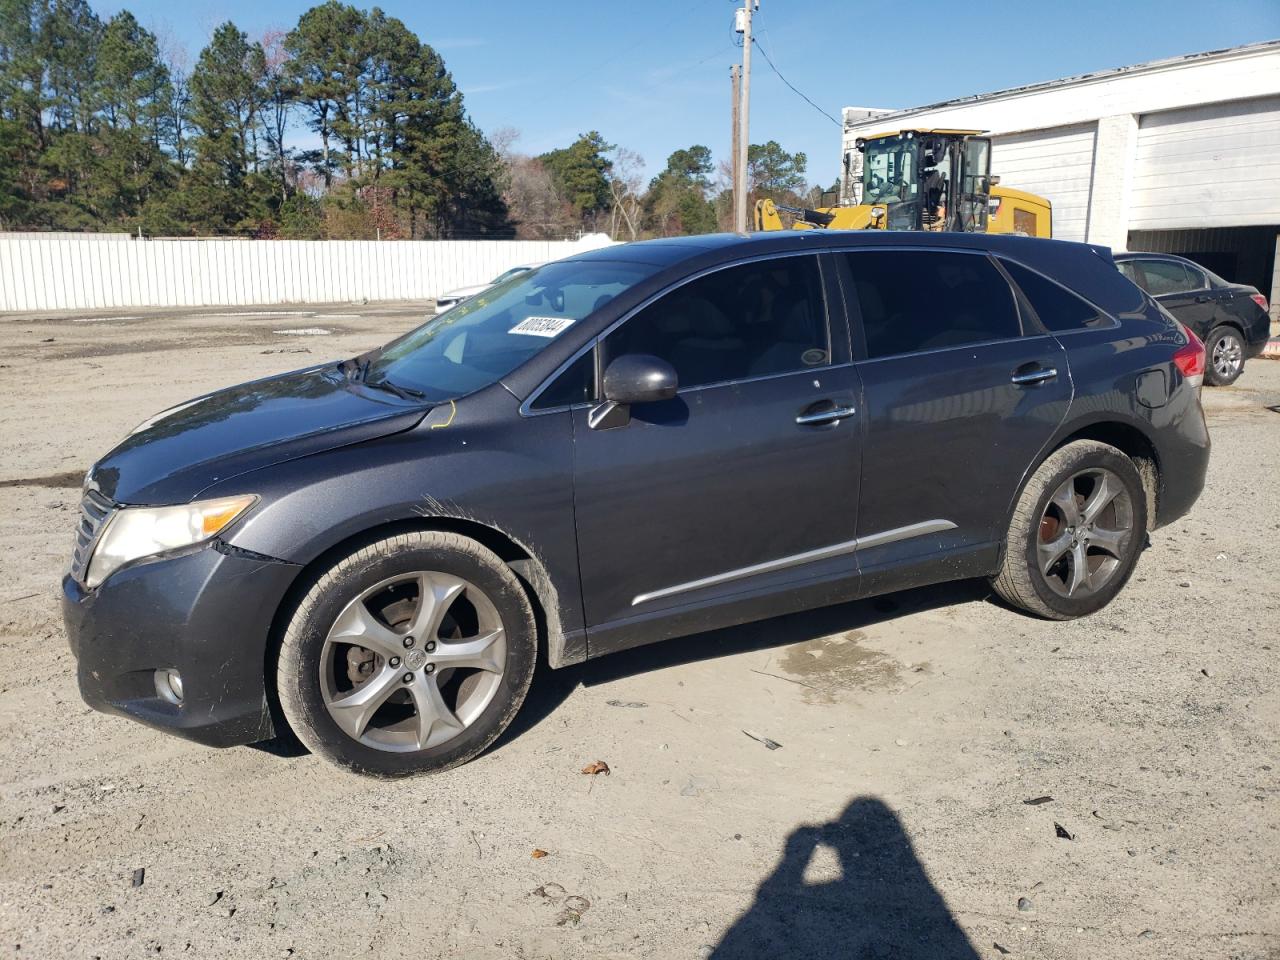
{"x":767,"y":60}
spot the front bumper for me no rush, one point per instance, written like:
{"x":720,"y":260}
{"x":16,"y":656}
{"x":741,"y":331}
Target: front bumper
{"x":205,"y":613}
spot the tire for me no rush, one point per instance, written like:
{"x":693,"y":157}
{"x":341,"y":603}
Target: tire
{"x":1048,"y":539}
{"x":1224,"y":356}
{"x":408,"y":704}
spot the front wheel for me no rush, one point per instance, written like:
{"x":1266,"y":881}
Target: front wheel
{"x":410,"y":655}
{"x":1076,"y":533}
{"x":1225,"y":352}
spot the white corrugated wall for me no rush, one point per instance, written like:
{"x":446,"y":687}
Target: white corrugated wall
{"x":71,"y":271}
{"x":1216,"y":165}
{"x":1057,"y":164}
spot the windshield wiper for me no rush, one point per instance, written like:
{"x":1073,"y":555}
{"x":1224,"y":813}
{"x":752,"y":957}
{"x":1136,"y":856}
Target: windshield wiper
{"x":404,"y":393}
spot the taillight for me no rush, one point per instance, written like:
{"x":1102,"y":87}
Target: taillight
{"x":1190,"y":358}
{"x":1261,"y":301}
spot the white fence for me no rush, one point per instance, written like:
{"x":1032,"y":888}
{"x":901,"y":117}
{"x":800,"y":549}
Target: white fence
{"x":69,"y":272}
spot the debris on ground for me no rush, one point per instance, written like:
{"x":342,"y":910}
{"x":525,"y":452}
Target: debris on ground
{"x":1005,"y":950}
{"x":538,"y":853}
{"x":598,"y":766}
{"x":626,"y":703}
{"x":1060,"y":831}
{"x":771,"y":744}
{"x":139,"y":876}
{"x":1025,"y":905}
{"x":574,"y":908}
{"x":549,"y":891}
{"x":1036,"y":801}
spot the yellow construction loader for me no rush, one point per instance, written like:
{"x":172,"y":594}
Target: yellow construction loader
{"x":925,"y":180}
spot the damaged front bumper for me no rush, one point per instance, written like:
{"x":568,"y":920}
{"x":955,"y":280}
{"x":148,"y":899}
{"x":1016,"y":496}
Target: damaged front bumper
{"x":207,"y":615}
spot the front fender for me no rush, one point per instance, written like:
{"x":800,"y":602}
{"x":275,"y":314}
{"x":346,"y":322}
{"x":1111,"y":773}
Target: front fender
{"x":481,"y":464}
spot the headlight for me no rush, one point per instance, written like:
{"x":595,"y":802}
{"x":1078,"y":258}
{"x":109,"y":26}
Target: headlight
{"x":135,"y":532}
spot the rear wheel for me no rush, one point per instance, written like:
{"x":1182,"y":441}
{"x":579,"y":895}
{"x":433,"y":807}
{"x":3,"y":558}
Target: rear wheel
{"x":1225,"y":352}
{"x":410,"y":655}
{"x":1076,"y":532}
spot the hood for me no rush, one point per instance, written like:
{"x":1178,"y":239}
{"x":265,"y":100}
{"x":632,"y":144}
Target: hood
{"x":179,"y":452}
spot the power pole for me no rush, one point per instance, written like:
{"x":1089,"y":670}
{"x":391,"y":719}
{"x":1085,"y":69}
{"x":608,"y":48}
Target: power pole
{"x":743,"y":26}
{"x":735,"y":73}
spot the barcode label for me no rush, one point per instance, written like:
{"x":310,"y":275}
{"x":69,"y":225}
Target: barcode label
{"x":542,"y":326}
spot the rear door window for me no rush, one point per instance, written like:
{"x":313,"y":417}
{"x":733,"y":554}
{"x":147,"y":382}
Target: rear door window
{"x":916,"y":300}
{"x":1057,"y":307}
{"x":1166,"y":276}
{"x":754,"y":320}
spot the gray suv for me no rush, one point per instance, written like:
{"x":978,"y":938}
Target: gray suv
{"x":629,"y":446}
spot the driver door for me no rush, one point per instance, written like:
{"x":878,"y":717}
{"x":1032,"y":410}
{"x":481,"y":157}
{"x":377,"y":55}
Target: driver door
{"x":736,"y":499}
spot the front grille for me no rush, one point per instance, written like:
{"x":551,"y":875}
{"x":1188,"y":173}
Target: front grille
{"x":95,"y":510}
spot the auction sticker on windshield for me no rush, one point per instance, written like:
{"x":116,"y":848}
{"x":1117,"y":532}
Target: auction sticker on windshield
{"x":542,"y":326}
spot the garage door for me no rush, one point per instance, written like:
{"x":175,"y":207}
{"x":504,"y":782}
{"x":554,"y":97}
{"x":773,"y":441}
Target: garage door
{"x":1055,"y":163}
{"x":1211,"y":166}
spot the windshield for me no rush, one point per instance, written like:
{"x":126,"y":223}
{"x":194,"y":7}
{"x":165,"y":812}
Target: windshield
{"x":483,"y":339}
{"x":889,"y":170}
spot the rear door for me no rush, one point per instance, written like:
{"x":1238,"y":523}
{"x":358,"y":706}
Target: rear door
{"x":742,"y":486}
{"x":958,"y":403}
{"x":1182,"y":290}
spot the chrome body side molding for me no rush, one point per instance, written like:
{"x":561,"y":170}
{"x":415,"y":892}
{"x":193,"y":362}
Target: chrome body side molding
{"x":799,"y":559}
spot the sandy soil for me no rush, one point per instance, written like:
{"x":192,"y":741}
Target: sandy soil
{"x":893,"y":821}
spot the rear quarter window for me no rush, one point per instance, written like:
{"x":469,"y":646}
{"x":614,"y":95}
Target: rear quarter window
{"x":1057,"y":308}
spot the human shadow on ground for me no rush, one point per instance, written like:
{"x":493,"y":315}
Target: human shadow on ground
{"x":551,"y":688}
{"x":881,"y":905}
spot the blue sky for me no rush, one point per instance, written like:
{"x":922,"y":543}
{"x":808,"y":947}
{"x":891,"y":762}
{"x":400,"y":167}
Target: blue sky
{"x":654,"y":77}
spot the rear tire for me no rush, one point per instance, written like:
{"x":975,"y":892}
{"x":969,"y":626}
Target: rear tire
{"x":1224,"y":356}
{"x":410,"y":655}
{"x":1076,"y":532}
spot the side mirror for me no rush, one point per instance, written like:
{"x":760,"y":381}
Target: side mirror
{"x":639,"y":378}
{"x":632,"y":378}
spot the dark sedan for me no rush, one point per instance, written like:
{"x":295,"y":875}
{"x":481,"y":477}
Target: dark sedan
{"x":633,"y":445}
{"x":1230,"y":318}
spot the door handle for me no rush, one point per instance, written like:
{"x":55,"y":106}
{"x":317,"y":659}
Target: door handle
{"x":1203,"y":299}
{"x":1027,"y":376}
{"x":834,"y":415}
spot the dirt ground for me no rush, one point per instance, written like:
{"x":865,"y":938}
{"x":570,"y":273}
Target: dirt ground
{"x":906,"y":814}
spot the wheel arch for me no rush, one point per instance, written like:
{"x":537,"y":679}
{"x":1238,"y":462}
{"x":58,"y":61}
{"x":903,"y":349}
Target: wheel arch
{"x":522,"y":561}
{"x":1126,"y":436}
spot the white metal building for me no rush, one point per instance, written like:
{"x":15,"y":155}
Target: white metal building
{"x":1179,"y":156}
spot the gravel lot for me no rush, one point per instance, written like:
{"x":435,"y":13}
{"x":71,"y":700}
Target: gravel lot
{"x":893,"y":821}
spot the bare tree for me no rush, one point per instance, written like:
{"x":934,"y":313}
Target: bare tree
{"x":534,"y":201}
{"x":278,"y":96}
{"x":626,"y":184}
{"x":177,"y":60}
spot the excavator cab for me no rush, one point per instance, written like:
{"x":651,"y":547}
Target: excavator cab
{"x":927,"y":180}
{"x":923,"y":180}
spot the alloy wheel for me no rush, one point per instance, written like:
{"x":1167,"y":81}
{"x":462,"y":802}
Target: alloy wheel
{"x":413,"y":661}
{"x":1228,"y":355}
{"x":1085,"y":531}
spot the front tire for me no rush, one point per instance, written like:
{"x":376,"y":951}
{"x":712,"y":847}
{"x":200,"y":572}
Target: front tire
{"x":1224,"y":357}
{"x":1076,"y":533}
{"x":410,"y":655}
